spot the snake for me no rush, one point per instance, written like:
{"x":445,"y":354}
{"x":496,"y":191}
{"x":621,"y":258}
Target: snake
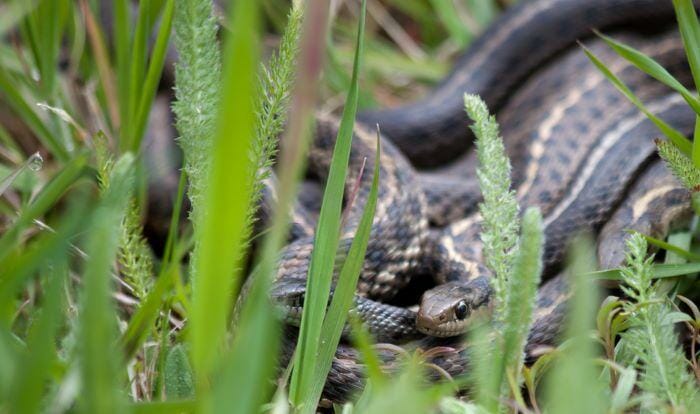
{"x":581,"y":153}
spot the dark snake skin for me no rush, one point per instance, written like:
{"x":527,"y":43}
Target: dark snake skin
{"x":434,"y":129}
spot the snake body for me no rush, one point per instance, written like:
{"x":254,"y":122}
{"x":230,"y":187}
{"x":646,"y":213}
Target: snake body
{"x":577,"y":147}
{"x":431,"y":131}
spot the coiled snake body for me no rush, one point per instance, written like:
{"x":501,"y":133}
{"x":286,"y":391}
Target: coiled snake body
{"x":580,"y":152}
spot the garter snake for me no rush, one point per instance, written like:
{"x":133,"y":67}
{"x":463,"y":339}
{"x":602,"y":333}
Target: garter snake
{"x":579,"y":151}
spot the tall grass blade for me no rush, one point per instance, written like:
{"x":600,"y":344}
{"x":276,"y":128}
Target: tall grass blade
{"x":121,"y":34}
{"x":153,"y":73}
{"x":690,"y":32}
{"x":653,"y":69}
{"x":673,"y":134}
{"x":522,"y":293}
{"x":322,"y":262}
{"x":221,"y":229}
{"x":258,"y":327}
{"x":137,"y":66}
{"x":344,"y":292}
{"x":114,"y":96}
{"x":100,"y":362}
{"x":41,"y":345}
{"x":564,"y":387}
{"x":15,"y":100}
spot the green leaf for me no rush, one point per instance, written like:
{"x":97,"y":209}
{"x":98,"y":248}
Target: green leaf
{"x":672,"y":248}
{"x":653,"y":69}
{"x":659,"y":271}
{"x":322,"y":261}
{"x":623,"y":391}
{"x":178,"y":374}
{"x":678,"y":139}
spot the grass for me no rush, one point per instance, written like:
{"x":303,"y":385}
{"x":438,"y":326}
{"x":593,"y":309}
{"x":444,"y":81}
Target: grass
{"x":92,"y":320}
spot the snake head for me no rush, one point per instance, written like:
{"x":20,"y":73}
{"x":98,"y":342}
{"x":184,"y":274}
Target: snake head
{"x":448,"y":309}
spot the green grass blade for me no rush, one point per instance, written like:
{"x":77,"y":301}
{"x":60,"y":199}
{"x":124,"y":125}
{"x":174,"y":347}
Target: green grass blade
{"x":113,"y":95}
{"x":16,"y":101}
{"x":653,"y":69}
{"x":678,"y":139}
{"x":672,"y":248}
{"x":44,"y":29}
{"x":258,"y":327}
{"x":23,"y":261}
{"x":220,"y":231}
{"x":659,"y":271}
{"x":563,"y":388}
{"x":47,"y":198}
{"x":164,"y":407}
{"x":100,"y":359}
{"x":137,"y":66}
{"x":247,"y":378}
{"x":145,"y":316}
{"x":406,"y":394}
{"x":522,"y":293}
{"x":447,"y":12}
{"x":121,"y":30}
{"x":343,"y":295}
{"x":13,"y":12}
{"x":155,"y":68}
{"x":322,"y":261}
{"x":29,"y":384}
{"x":690,"y":32}
{"x":362,"y":340}
{"x":695,"y":156}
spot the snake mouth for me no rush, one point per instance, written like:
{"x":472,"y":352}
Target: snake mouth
{"x":441,"y":329}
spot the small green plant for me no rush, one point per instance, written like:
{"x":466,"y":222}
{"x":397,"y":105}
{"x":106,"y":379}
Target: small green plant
{"x":650,"y":344}
{"x":515,"y":262}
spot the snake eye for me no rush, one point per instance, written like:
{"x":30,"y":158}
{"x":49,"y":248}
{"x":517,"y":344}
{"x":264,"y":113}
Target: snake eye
{"x":461,"y":310}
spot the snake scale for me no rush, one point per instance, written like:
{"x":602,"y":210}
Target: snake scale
{"x":580,"y":152}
